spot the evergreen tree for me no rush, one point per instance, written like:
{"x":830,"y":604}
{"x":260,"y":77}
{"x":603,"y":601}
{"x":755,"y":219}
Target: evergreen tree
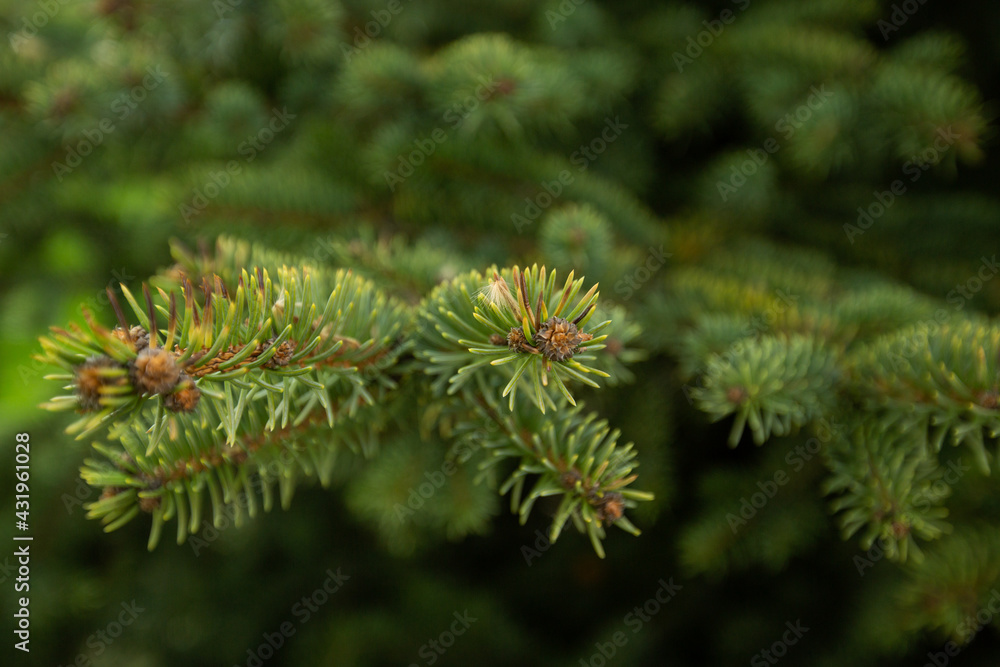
{"x":435,"y":260}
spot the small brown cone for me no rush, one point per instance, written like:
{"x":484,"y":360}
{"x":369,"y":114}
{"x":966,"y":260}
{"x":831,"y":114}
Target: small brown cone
{"x":184,"y":398}
{"x":154,"y":371}
{"x":610,"y":507}
{"x":557,"y":339}
{"x":515,"y":340}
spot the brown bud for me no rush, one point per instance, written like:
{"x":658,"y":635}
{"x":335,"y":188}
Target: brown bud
{"x":184,"y":398}
{"x":282,"y":356}
{"x":149,"y":503}
{"x":988,"y":399}
{"x":736,"y":395}
{"x":110,"y":492}
{"x":610,"y":507}
{"x":900,"y":529}
{"x":516,"y":340}
{"x":137,"y":337}
{"x":570,"y":478}
{"x":557,"y":339}
{"x":92,"y":376}
{"x":154,"y":371}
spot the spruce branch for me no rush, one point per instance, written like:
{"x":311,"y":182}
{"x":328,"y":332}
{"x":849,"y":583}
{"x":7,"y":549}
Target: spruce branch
{"x":255,"y":383}
{"x":775,"y":385}
{"x":193,"y":462}
{"x":883,"y":479}
{"x":957,"y":581}
{"x":569,"y":454}
{"x":518,"y":323}
{"x":939,"y":378}
{"x":249,"y":377}
{"x":228,"y":348}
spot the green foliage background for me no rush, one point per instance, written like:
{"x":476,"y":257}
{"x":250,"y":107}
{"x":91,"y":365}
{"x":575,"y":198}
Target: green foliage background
{"x":553,"y":77}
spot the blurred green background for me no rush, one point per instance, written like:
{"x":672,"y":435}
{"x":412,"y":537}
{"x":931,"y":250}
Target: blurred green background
{"x":363,"y":82}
